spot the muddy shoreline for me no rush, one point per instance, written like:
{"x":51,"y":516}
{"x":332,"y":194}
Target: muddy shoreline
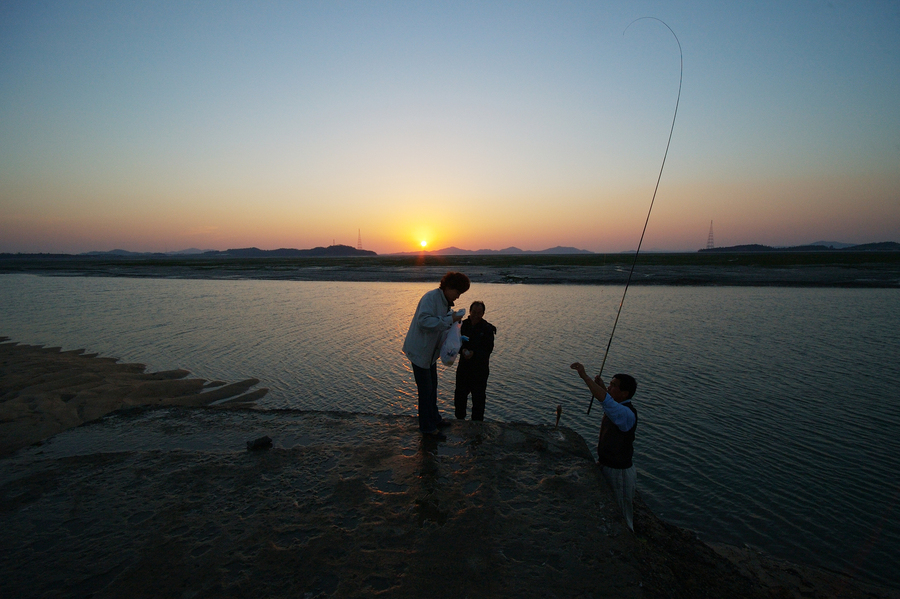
{"x":854,"y":270}
{"x":127,"y":482}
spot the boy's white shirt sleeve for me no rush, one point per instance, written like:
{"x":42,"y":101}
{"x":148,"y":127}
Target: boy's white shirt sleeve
{"x":621,"y":416}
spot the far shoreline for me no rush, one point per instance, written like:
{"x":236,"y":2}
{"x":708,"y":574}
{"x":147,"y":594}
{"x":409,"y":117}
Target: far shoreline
{"x":868,"y":270}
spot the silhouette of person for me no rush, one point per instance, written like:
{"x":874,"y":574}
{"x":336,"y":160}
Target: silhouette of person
{"x":422,"y":345}
{"x":474,"y":362}
{"x":615,"y":447}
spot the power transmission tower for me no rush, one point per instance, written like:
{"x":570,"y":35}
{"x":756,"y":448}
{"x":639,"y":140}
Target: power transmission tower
{"x":358,"y":239}
{"x":710,"y":244}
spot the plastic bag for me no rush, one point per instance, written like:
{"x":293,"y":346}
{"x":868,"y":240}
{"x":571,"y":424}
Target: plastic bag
{"x":452,"y":341}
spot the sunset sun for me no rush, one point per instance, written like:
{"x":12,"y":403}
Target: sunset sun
{"x":424,"y":243}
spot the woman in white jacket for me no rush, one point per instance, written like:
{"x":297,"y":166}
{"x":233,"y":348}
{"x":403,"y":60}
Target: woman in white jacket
{"x":422,"y":345}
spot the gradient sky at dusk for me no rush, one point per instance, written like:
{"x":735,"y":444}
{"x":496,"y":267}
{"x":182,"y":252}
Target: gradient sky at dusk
{"x":160,"y":126}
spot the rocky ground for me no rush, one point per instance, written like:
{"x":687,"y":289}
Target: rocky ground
{"x":161,"y":499}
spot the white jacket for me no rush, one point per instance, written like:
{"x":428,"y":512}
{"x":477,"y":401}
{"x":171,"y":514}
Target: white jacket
{"x":432,"y":317}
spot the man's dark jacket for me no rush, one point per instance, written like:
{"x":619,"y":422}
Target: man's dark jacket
{"x":481,"y":341}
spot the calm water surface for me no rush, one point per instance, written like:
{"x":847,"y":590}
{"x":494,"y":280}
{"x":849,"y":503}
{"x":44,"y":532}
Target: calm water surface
{"x":768,"y":416}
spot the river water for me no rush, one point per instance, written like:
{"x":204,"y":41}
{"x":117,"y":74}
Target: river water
{"x":768,"y":416}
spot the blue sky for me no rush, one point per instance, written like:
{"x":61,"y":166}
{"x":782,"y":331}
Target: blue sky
{"x":161,"y":126}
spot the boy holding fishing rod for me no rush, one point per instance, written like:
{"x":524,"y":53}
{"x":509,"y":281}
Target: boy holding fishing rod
{"x":615,"y":447}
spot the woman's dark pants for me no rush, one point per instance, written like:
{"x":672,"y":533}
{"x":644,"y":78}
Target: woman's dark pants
{"x":426,"y":383}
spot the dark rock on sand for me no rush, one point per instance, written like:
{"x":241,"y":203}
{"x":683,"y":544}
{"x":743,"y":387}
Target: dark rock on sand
{"x":261,"y":443}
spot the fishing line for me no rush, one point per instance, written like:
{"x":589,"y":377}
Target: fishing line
{"x":658,"y":179}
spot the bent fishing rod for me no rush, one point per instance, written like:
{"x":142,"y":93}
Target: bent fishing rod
{"x":653,"y":199}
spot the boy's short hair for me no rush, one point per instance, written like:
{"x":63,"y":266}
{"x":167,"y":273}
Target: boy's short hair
{"x":627,"y":384}
{"x":455,"y":280}
{"x":477,"y":303}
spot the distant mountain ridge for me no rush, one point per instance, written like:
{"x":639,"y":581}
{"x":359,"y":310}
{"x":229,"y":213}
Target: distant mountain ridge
{"x":348,"y":251}
{"x":187,"y":252}
{"x":455,"y":251}
{"x":837,"y":245}
{"x":332,"y":250}
{"x":340,"y":250}
{"x":884,"y":246}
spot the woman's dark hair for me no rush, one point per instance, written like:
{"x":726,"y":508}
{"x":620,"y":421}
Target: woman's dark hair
{"x":455,"y":280}
{"x":627,"y":384}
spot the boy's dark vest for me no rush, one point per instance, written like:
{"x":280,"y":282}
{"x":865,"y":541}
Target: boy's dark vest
{"x":616,"y":448}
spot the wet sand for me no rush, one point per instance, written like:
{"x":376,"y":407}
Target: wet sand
{"x":45,"y":391}
{"x":155,"y":496}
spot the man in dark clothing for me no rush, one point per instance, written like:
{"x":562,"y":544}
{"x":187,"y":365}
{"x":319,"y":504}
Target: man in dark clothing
{"x":615,"y":448}
{"x":474,"y":368}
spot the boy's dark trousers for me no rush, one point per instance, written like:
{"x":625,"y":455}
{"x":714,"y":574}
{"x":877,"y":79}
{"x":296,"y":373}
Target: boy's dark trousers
{"x":476,"y":385}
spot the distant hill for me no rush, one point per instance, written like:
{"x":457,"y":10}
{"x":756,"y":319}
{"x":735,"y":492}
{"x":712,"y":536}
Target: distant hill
{"x":837,"y":245}
{"x":455,"y":251}
{"x":884,"y":246}
{"x":348,"y":251}
{"x":115,"y":253}
{"x":188,"y":252}
{"x":333,"y":250}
